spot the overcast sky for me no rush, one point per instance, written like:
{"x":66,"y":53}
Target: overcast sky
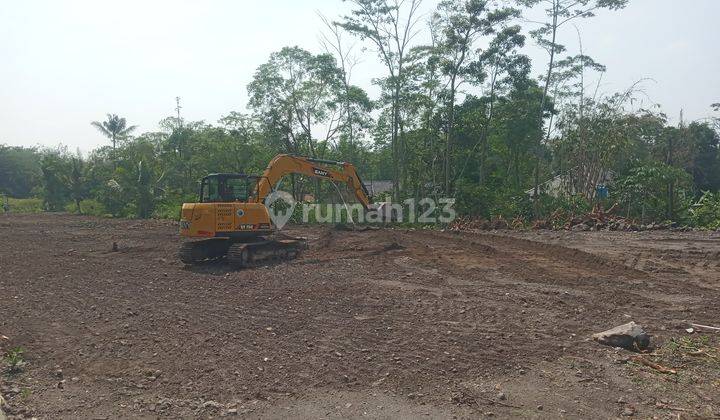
{"x":66,"y":63}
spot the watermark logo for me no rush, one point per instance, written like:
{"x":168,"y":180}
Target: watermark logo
{"x":280,"y":205}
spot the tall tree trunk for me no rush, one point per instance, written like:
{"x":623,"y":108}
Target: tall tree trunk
{"x":542,"y":108}
{"x":395,"y":142}
{"x":486,"y":128}
{"x":671,"y":187}
{"x":448,"y":135}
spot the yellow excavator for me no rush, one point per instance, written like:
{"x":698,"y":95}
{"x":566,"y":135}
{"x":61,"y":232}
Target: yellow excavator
{"x":231,"y":218}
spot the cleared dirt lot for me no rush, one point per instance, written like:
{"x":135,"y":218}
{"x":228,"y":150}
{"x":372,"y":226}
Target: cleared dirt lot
{"x":379,"y":323}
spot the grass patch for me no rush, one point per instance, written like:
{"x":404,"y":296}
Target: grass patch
{"x":689,"y":360}
{"x":14,"y":360}
{"x":692,"y":352}
{"x":25,"y":205}
{"x":88,"y":207}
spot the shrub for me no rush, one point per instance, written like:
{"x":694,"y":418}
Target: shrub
{"x":169,"y":207}
{"x":88,"y":206}
{"x":706,"y":211}
{"x":644,"y":192}
{"x":25,"y":205}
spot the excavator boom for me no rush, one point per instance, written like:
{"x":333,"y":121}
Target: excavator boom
{"x":283,"y":165}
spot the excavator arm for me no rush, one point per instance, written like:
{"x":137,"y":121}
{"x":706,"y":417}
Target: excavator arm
{"x":283,"y":165}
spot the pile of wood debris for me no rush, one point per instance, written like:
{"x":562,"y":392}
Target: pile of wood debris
{"x":597,"y":219}
{"x":600,"y":219}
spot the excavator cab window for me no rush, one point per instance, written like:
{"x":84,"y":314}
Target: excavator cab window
{"x":209,"y":191}
{"x":227,"y":188}
{"x":236,"y":189}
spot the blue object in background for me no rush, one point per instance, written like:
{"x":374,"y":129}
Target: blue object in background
{"x":601,"y":191}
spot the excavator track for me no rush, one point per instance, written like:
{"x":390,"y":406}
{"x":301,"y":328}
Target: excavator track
{"x":240,"y":254}
{"x":206,"y":250}
{"x":252,"y":254}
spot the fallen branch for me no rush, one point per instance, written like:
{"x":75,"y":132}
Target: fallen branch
{"x":659,"y":368}
{"x":700,"y":353}
{"x":667,"y":407}
{"x":706,"y":327}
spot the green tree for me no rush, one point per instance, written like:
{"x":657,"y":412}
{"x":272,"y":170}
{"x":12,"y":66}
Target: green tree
{"x":559,"y":13}
{"x":501,"y":58}
{"x":461,"y":23}
{"x":593,"y":140}
{"x":506,"y":169}
{"x":56,"y":169}
{"x":137,"y":180}
{"x":706,"y":211}
{"x":355,"y":105}
{"x":390,"y":25}
{"x":20,"y":172}
{"x":115,"y":128}
{"x":643,"y":192}
{"x":703,"y":160}
{"x":298,"y":92}
{"x":77,"y":180}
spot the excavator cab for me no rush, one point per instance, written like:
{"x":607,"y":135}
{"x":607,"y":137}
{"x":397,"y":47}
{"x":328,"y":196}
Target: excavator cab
{"x":226,"y":208}
{"x":227,"y":188}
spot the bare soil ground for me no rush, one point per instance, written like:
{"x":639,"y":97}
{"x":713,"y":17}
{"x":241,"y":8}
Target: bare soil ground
{"x":379,"y":323}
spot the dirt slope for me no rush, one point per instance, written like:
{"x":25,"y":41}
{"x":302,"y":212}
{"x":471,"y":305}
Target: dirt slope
{"x":380,"y":323}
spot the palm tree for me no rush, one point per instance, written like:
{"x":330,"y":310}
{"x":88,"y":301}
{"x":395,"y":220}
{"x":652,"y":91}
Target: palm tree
{"x":115,"y":128}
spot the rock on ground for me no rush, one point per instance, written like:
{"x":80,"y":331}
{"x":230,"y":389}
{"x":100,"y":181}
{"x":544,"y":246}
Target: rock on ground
{"x":629,"y":336}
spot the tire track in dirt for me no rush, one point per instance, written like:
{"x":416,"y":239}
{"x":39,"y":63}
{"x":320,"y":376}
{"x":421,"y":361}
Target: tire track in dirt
{"x":530,"y":271}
